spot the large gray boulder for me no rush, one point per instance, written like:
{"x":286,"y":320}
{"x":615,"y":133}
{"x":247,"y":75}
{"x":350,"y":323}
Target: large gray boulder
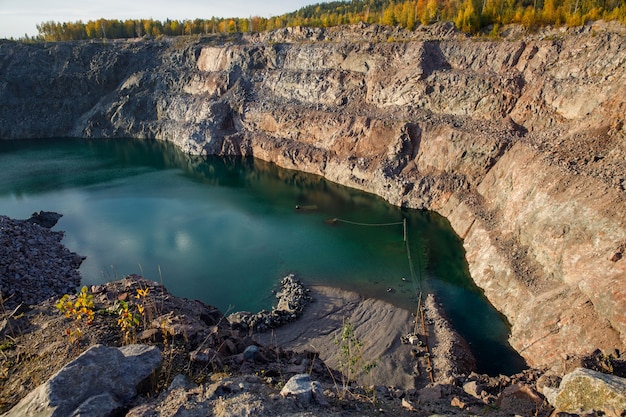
{"x":304,"y":389}
{"x":299,"y":387}
{"x":99,"y":383}
{"x":585,"y":390}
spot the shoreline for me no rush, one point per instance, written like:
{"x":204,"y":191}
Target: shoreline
{"x":310,"y":326}
{"x":380,"y":326}
{"x":199,"y":345}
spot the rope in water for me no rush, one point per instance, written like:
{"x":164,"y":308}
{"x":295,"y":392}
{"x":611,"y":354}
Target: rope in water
{"x":366,"y":224}
{"x":417,"y":285}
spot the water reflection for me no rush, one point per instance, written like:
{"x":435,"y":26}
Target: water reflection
{"x":225,"y":230}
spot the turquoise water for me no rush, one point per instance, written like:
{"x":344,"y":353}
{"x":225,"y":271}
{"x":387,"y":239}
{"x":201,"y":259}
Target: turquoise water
{"x":225,"y":231}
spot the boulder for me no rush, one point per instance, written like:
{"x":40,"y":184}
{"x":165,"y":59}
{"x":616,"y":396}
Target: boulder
{"x":318,"y":394}
{"x":299,"y":387}
{"x":303,"y":389}
{"x":584,"y":390}
{"x":207,"y":355}
{"x":45,"y":219}
{"x":430,"y":393}
{"x":408,"y":405}
{"x":519,"y":399}
{"x":100,"y":382}
{"x":250,"y":352}
{"x":103,"y":405}
{"x":473,"y":388}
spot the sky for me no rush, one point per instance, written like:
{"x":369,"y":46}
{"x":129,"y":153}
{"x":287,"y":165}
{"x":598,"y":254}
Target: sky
{"x":20,"y":17}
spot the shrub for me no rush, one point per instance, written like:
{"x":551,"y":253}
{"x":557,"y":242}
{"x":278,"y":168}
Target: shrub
{"x":127,"y":320}
{"x":80,"y":311}
{"x":350,"y":354}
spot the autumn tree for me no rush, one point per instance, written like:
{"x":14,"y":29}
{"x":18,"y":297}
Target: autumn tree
{"x":468,"y":19}
{"x":470,"y":16}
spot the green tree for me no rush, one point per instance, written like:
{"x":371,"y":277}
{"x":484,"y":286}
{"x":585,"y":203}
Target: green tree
{"x":351,"y":360}
{"x":468,"y":19}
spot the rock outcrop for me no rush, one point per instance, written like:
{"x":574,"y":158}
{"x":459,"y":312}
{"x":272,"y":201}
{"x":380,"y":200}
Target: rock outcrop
{"x":588,"y":391}
{"x":100,"y":382}
{"x":520,"y":143}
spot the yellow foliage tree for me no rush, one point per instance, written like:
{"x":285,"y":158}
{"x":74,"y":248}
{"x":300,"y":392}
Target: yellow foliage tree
{"x":469,"y":15}
{"x":467,"y":18}
{"x":432,"y":11}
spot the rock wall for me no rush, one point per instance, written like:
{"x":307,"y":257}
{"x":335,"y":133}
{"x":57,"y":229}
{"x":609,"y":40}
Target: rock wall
{"x":520,"y":143}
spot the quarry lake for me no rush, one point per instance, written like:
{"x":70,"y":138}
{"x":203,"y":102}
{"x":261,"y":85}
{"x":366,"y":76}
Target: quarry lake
{"x":225,"y":231}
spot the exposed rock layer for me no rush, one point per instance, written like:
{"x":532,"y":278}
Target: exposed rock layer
{"x":521,"y":144}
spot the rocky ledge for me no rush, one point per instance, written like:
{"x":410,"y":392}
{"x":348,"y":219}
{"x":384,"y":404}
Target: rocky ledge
{"x":191,"y":360}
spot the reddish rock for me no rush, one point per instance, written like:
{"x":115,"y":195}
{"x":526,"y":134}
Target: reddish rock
{"x":457,"y":402}
{"x":519,"y":399}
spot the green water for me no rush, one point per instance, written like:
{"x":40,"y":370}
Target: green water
{"x":225,"y":231}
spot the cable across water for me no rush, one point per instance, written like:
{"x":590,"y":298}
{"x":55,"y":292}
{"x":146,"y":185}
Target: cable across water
{"x":417,"y":285}
{"x":365,"y":224}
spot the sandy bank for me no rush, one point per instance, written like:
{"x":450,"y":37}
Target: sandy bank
{"x":380,"y":327}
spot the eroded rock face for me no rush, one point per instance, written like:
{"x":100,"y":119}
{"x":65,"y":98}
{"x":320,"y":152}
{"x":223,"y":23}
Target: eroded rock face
{"x":543,"y":255}
{"x":519,"y":142}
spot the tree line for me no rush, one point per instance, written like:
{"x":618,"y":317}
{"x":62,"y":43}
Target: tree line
{"x":470,"y":16}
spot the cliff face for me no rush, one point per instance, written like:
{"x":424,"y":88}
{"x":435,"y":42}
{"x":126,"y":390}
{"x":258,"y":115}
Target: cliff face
{"x":521,"y":144}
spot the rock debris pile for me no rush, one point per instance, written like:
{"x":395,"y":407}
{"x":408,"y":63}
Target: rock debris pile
{"x":34,"y":264}
{"x":292,"y":299}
